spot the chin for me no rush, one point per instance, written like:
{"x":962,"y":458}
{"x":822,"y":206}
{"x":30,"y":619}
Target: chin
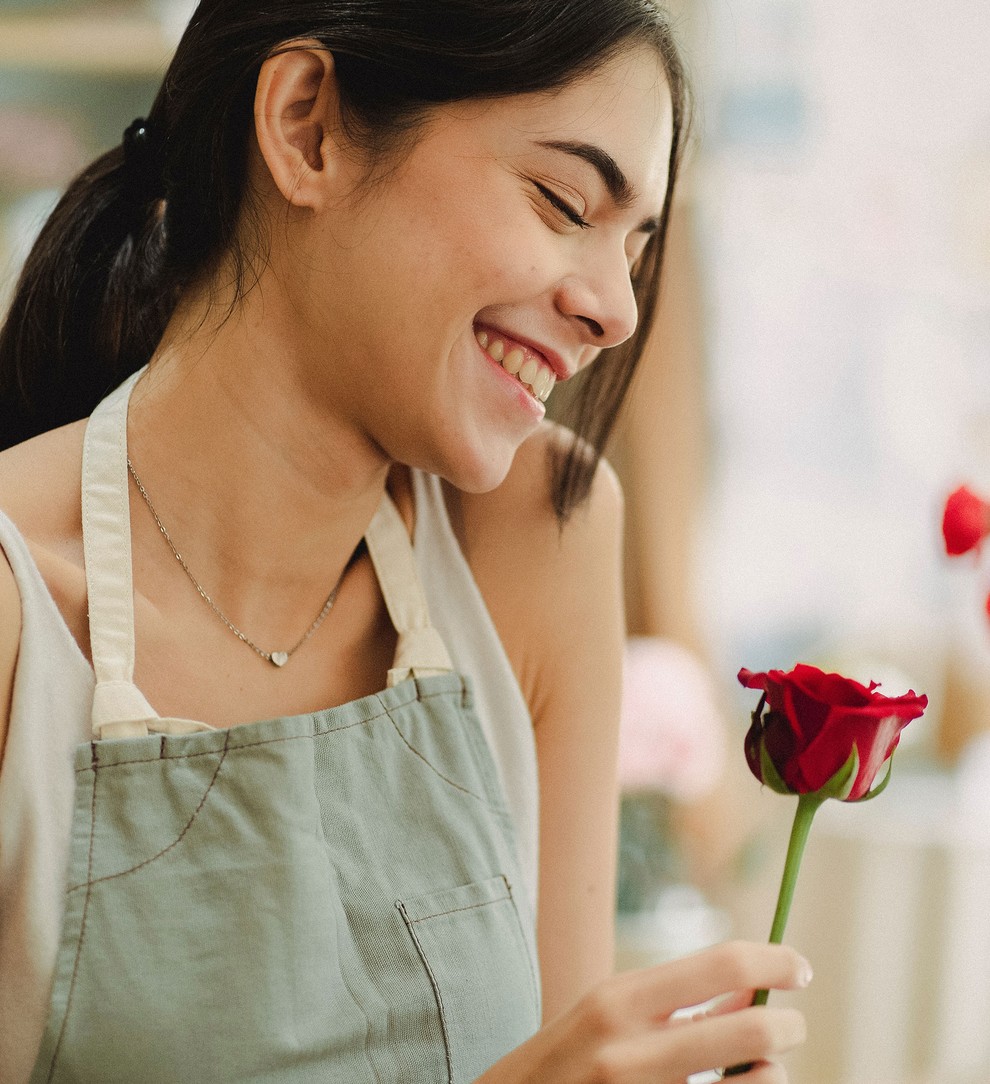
{"x":477,"y":470}
{"x":482,"y":478}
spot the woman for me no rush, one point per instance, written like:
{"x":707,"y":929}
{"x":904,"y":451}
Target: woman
{"x":358,"y":243}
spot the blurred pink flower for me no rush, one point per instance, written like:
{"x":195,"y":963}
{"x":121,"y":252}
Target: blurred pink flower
{"x":672,"y":734}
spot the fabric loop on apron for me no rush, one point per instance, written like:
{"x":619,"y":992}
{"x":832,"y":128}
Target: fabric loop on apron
{"x":323,"y":897}
{"x":420,"y":651}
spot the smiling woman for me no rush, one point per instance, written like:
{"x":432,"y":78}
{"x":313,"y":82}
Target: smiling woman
{"x":310,"y":629}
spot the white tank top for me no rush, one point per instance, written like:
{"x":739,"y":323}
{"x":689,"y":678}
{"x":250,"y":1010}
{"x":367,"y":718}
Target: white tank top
{"x":51,"y":715}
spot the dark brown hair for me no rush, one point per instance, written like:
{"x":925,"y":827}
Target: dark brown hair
{"x":151,"y":216}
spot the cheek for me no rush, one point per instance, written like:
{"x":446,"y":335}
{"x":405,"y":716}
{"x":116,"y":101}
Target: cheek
{"x":504,"y":270}
{"x":474,"y":269}
{"x":588,"y":356}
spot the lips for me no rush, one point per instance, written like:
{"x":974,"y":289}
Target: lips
{"x":531,"y":369}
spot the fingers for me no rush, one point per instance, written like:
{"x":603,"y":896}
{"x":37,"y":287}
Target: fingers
{"x":735,"y":968}
{"x":766,"y":1072}
{"x":726,"y":1003}
{"x":748,"y":1036}
{"x":625,"y":1031}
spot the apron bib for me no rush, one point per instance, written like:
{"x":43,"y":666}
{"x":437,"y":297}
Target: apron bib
{"x":325,"y":897}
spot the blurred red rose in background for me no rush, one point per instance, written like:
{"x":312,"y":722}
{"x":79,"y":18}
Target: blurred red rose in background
{"x":965,"y":522}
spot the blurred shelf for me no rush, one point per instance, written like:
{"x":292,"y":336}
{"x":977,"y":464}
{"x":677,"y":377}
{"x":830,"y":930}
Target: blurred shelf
{"x":84,"y":45}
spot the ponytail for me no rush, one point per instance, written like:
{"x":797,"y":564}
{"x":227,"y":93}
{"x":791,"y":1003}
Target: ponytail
{"x":89,"y":307}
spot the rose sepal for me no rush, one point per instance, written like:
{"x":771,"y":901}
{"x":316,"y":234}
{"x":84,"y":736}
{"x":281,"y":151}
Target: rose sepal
{"x":769,"y":775}
{"x":880,"y":787}
{"x":841,"y":784}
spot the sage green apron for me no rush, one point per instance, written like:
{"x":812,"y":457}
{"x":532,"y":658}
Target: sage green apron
{"x":324,"y":897}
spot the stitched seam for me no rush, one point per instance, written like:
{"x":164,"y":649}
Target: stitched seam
{"x":482,"y":756}
{"x":237,"y":748}
{"x":431,"y":696}
{"x":457,"y":786}
{"x":154,"y":858}
{"x":529,"y":958}
{"x":457,"y":910}
{"x":436,"y":990}
{"x":385,"y":713}
{"x":82,"y":925}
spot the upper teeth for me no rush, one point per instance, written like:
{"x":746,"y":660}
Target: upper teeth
{"x":526,"y":367}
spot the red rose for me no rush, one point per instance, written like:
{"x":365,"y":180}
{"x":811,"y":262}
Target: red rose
{"x":814,"y":724}
{"x":966,"y":521}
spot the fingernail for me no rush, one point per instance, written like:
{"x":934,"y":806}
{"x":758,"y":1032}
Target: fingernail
{"x":805,"y":974}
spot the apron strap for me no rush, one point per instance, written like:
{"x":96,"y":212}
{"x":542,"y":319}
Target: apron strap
{"x":120,"y":710}
{"x":420,"y":651}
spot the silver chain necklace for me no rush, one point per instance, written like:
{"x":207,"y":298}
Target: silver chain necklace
{"x":276,"y":658}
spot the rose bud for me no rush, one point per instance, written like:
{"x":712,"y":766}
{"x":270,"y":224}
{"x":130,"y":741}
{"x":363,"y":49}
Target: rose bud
{"x":822,"y":736}
{"x":823,"y":733}
{"x":965,"y":522}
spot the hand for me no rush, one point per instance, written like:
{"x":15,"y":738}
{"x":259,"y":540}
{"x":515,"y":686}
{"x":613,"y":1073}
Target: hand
{"x":625,"y":1031}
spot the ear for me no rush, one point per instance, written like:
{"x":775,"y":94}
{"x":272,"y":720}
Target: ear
{"x":295,"y":108}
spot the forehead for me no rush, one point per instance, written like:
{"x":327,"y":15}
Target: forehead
{"x":624,"y":107}
{"x":630,"y":91}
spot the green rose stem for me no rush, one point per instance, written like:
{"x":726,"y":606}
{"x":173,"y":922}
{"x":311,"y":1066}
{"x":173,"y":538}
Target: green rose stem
{"x":807,"y":807}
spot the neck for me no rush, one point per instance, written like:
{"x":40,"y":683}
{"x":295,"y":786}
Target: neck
{"x":265,"y":484}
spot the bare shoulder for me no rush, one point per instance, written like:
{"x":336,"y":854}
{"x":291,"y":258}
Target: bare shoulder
{"x":554,"y":590}
{"x":39,"y":491}
{"x":39,"y":484}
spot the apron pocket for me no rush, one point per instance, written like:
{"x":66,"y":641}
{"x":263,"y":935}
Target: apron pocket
{"x":472,"y":945}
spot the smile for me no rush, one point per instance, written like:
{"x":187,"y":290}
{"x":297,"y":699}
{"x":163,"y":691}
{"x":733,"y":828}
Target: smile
{"x":528,"y":368}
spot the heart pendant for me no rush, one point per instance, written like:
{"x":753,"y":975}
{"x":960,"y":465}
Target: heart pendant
{"x":280,"y":658}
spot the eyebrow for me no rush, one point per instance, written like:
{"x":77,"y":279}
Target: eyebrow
{"x":616,"y":182}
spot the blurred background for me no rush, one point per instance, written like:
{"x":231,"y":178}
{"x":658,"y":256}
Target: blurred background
{"x":818,"y":382}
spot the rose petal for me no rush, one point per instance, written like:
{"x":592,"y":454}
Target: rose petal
{"x":814,"y":720}
{"x":965,"y":521}
{"x":751,"y":680}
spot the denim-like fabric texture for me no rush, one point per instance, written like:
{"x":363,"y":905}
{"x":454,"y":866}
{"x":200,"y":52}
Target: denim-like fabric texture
{"x":326,"y":897}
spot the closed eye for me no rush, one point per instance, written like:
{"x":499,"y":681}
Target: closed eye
{"x":562,"y":206}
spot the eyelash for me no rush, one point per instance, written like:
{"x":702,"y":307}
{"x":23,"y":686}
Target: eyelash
{"x":562,"y":206}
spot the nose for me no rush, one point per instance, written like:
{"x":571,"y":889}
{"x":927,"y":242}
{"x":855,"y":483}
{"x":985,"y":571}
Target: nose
{"x":599,"y":298}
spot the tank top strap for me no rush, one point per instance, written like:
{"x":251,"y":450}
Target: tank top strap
{"x":119,"y":707}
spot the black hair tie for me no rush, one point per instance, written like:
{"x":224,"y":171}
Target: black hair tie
{"x":142,"y":161}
